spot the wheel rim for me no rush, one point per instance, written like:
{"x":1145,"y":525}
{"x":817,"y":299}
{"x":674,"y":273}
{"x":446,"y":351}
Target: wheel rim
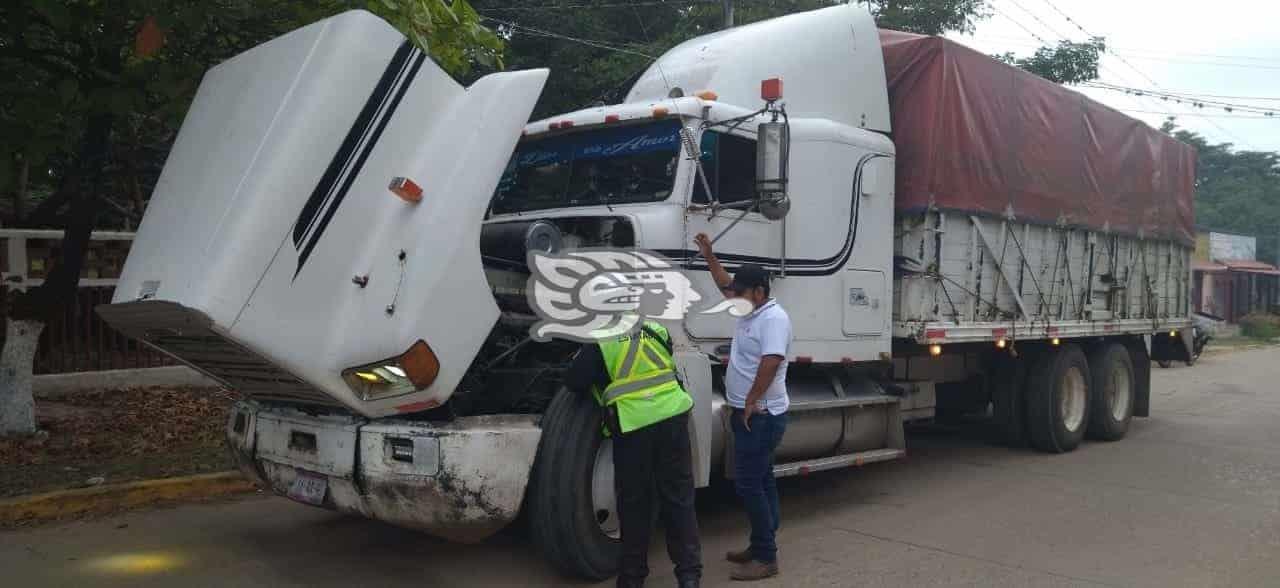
{"x":1120,"y":393}
{"x":1072,"y":399}
{"x":604,"y":503}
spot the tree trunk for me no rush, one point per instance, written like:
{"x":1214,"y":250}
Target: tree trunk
{"x":20,"y":194}
{"x":28,"y":311}
{"x":17,"y":407}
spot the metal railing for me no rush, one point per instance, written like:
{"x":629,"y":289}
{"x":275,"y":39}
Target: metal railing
{"x":77,"y":340}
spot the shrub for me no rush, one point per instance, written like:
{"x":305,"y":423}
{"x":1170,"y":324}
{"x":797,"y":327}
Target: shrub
{"x":1260,"y":325}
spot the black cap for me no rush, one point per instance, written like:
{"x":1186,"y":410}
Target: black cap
{"x":749,"y":276}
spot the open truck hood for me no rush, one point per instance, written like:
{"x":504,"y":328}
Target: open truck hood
{"x":274,"y":207}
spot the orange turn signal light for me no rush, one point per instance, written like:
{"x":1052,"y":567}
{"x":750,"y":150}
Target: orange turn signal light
{"x":420,"y":364}
{"x":406,"y":189}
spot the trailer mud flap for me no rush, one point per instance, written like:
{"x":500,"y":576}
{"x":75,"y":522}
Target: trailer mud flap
{"x":1007,"y":380}
{"x":1142,"y":375}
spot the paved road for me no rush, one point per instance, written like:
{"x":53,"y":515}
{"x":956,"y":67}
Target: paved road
{"x":1191,"y":498}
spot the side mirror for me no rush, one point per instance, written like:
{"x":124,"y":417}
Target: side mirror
{"x":773,"y":143}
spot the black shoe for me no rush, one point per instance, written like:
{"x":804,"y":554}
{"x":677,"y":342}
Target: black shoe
{"x":625,"y":582}
{"x":690,"y":582}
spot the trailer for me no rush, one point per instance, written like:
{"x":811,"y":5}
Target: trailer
{"x":343,"y":233}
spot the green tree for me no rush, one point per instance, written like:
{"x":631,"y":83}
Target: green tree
{"x":92,"y":94}
{"x":1068,"y":63}
{"x":617,"y":41}
{"x":1236,"y":191}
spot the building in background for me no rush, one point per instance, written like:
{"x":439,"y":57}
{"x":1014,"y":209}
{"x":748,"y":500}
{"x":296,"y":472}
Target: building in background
{"x":1227,"y":280}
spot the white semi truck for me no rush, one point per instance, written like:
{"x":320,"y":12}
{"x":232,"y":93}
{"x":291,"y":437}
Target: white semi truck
{"x":340,"y":234}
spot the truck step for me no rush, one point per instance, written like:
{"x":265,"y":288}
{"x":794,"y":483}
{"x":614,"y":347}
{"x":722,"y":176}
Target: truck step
{"x":802,"y":468}
{"x":858,"y":400}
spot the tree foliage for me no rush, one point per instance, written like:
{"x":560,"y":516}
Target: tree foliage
{"x":929,"y":17}
{"x":1068,"y":63}
{"x":1236,"y":191}
{"x":136,"y":65}
{"x":583,"y":74}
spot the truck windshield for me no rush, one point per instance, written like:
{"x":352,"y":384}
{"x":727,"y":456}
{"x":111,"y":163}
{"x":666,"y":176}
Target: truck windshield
{"x":612,"y":166}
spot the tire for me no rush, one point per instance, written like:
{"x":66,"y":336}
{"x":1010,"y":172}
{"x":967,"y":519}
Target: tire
{"x":562,"y":514}
{"x":1164,"y":363}
{"x":1058,"y":399}
{"x":1114,"y":383}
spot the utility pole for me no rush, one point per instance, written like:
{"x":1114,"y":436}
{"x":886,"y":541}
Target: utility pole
{"x":728,"y":13}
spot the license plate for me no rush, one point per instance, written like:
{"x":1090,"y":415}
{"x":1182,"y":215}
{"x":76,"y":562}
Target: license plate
{"x":309,"y":488}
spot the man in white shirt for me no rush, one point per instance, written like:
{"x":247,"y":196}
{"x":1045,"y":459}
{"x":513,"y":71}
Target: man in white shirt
{"x":756,"y":388}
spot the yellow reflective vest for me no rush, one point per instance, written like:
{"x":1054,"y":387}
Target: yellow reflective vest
{"x":642,"y":379}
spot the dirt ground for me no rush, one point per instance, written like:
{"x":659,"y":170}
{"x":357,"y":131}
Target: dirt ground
{"x":112,"y":436}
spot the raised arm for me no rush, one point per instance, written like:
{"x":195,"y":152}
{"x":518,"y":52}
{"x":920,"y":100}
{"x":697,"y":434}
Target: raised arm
{"x":718,"y":273}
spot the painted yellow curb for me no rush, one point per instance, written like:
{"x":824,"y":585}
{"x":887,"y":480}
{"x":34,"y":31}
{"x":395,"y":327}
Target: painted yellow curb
{"x":109,"y":498}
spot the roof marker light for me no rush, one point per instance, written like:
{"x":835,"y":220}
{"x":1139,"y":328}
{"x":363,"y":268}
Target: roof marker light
{"x":708,"y":95}
{"x":771,"y":89}
{"x":660,"y":111}
{"x":612,"y":118}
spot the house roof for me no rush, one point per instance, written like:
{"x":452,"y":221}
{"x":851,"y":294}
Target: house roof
{"x":1207,"y":266}
{"x":1251,"y":267}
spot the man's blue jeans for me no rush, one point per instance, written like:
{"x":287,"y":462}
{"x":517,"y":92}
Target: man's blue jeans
{"x":753,"y":478}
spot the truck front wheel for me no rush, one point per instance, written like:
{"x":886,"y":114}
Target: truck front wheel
{"x":1113,"y":392}
{"x":1058,"y":399}
{"x":572,"y":510}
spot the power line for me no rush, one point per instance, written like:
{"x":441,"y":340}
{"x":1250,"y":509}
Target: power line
{"x":1020,"y":25}
{"x":1130,"y":51}
{"x":1154,"y":56}
{"x":1191,"y":94}
{"x":1140,"y":72}
{"x":1194,"y":102}
{"x":513,"y":27}
{"x":1208,"y":63}
{"x":1039,"y":20}
{"x":1201,"y":114}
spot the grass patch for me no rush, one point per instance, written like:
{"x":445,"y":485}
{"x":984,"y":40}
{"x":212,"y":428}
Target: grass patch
{"x":1260,"y":326}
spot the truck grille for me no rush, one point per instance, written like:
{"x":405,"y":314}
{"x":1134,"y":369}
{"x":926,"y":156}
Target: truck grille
{"x":187,"y":335}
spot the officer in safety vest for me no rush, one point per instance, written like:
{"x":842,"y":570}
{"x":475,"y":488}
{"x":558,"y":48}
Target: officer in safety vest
{"x":646,"y":410}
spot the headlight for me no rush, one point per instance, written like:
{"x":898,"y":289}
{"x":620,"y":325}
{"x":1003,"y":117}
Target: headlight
{"x":410,"y":371}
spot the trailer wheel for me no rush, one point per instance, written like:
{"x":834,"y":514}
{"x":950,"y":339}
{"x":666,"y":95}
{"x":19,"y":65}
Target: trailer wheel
{"x":1113,"y":392}
{"x":1058,"y":399}
{"x":572,"y":510}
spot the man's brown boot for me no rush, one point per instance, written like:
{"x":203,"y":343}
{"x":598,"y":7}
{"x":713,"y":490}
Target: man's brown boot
{"x":740,"y":557}
{"x":754,"y":570}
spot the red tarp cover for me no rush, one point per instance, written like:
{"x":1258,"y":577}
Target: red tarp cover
{"x":979,"y":136}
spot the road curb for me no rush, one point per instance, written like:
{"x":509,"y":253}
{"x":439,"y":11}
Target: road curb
{"x":113,"y":497}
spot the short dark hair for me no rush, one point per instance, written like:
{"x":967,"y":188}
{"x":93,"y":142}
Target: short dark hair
{"x":750,"y":276}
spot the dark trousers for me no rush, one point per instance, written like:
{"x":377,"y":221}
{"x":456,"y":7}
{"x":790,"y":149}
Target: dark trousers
{"x":656,"y":460}
{"x":753,"y":478}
